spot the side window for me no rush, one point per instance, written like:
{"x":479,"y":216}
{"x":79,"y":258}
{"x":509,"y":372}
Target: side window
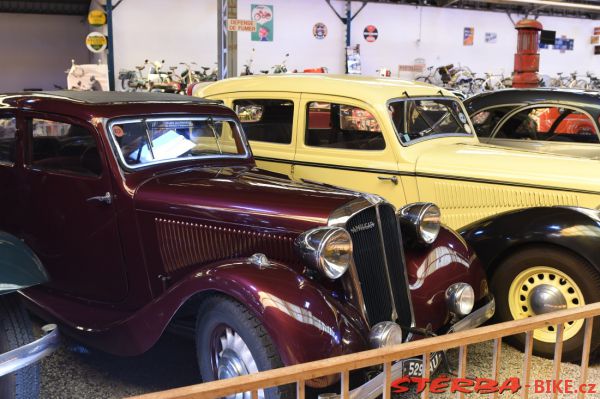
{"x":484,"y":122}
{"x":64,"y":147}
{"x":266,"y":120}
{"x":342,"y":126}
{"x":550,"y":124}
{"x":8,"y":139}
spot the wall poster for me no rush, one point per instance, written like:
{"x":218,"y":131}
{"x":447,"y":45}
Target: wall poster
{"x":491,"y":37}
{"x":263,"y":16}
{"x":353,"y":60}
{"x":468,"y":36}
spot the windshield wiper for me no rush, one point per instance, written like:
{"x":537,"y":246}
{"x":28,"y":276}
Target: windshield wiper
{"x":148,"y":140}
{"x":211,"y":125}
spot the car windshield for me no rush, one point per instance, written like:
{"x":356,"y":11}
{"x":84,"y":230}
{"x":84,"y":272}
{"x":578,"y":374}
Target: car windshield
{"x":146,"y":141}
{"x":422,"y":118}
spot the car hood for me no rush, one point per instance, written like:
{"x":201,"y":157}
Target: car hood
{"x":481,"y":162}
{"x":241,"y":195}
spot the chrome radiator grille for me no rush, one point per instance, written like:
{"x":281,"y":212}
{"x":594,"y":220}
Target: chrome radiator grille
{"x":378,"y":254}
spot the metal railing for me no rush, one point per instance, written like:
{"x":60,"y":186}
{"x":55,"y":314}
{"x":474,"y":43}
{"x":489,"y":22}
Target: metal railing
{"x":342,"y":365}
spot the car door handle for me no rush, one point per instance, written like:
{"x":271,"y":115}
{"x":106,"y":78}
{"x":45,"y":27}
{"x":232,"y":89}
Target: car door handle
{"x":106,"y":198}
{"x":393,"y":179}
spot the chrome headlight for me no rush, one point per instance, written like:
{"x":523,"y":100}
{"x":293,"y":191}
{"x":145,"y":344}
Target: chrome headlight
{"x":420,"y":221}
{"x":460,"y":299}
{"x":385,"y":333}
{"x":327,"y":249}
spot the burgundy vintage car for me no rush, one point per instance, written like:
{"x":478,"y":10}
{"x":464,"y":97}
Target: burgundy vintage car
{"x":148,"y":212}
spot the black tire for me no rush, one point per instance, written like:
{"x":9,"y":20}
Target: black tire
{"x":219,"y":310}
{"x":15,"y":331}
{"x":578,"y":269}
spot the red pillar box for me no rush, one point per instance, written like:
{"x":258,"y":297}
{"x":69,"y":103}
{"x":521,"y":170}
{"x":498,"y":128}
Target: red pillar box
{"x":527,"y":58}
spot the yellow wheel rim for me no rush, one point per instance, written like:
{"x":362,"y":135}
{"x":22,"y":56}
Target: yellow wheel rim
{"x":541,"y":289}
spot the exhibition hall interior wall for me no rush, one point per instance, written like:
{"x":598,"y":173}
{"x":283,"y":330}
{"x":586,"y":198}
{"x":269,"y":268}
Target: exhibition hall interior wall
{"x":37,"y":49}
{"x":185,"y":30}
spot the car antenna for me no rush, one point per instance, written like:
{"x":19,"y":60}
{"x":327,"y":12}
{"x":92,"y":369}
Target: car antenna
{"x":405,"y":93}
{"x":441,"y":92}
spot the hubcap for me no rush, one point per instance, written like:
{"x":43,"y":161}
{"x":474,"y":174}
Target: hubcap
{"x":546,"y":298}
{"x":232,"y":358}
{"x":543,"y":289}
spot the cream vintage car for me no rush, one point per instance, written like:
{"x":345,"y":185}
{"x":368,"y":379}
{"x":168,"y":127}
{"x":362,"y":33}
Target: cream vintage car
{"x":530,"y":216}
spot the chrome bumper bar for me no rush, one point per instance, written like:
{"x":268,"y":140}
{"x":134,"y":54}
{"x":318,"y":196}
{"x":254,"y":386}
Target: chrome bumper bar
{"x":30,"y":353}
{"x":476,"y":318}
{"x":374,"y":387}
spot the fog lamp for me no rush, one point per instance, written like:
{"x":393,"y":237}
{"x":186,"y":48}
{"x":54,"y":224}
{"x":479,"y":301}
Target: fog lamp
{"x":460,"y":299}
{"x":385,"y":333}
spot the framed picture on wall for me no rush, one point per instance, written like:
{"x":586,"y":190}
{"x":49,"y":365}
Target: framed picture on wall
{"x":468,"y":36}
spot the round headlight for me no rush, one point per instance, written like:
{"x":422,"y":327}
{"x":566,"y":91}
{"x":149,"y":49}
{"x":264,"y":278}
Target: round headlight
{"x":385,"y":333}
{"x":421,"y":220}
{"x":328,"y":249}
{"x":460,"y":299}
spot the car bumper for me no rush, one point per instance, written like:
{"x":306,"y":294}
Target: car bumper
{"x":30,"y":353}
{"x":374,"y":387}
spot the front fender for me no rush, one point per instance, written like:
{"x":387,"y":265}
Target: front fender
{"x":305,"y":321}
{"x":19,"y":266}
{"x":432,"y":269}
{"x":576,"y":229}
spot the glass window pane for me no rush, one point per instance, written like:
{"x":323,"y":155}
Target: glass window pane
{"x":342,"y":126}
{"x":64,"y":147}
{"x":269,"y":120}
{"x":8,"y":139}
{"x":425,"y":118}
{"x":550,"y":124}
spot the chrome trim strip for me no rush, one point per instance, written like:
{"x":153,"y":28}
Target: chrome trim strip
{"x":476,"y":318}
{"x":25,"y":355}
{"x":394,"y":315}
{"x":338,"y":218}
{"x":403,"y":260}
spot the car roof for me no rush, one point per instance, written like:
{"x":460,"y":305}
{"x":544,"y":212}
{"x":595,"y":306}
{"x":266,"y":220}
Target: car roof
{"x":103,"y":97}
{"x":91,"y":104}
{"x":530,"y":96}
{"x":373,"y":90}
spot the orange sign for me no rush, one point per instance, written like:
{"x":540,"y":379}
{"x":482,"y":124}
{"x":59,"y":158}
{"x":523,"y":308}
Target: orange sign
{"x":242,"y":25}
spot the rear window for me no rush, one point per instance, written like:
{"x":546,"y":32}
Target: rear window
{"x":268,"y":121}
{"x":342,"y":126}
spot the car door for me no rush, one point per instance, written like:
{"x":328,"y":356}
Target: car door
{"x":551,"y":128}
{"x":268,"y":120}
{"x":69,"y":217}
{"x":341,"y":142}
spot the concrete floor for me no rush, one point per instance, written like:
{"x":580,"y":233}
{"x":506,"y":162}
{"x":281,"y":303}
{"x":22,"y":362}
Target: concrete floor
{"x":77,"y":372}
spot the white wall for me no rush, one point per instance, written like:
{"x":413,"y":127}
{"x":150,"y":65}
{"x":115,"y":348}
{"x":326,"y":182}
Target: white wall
{"x":173,"y":30}
{"x":37,"y":49}
{"x":182,"y":30}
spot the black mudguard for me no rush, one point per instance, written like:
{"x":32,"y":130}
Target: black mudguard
{"x":574,"y":229}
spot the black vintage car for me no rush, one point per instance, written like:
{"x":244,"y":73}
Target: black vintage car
{"x":558,"y":121}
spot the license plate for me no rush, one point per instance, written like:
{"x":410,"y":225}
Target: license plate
{"x":414,"y":367}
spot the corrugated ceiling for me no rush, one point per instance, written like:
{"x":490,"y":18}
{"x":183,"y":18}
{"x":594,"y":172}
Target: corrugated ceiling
{"x":60,"y":7}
